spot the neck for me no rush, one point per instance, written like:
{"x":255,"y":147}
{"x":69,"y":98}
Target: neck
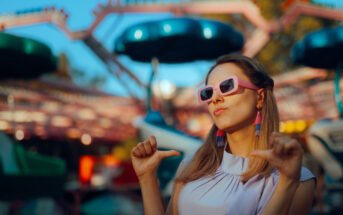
{"x":240,"y":141}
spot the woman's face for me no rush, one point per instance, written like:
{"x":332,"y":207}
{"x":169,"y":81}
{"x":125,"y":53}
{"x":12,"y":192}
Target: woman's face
{"x":235,"y":111}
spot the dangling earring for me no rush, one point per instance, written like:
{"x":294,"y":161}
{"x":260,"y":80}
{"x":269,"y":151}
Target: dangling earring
{"x":220,"y":139}
{"x":258,"y":124}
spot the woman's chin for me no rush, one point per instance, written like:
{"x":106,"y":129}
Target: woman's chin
{"x":228,"y":126}
{"x":225,"y":126}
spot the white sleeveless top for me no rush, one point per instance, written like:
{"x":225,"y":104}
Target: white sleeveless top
{"x":224,"y":193}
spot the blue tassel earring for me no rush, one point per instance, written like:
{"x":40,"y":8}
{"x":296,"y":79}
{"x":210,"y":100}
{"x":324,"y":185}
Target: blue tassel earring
{"x":220,"y":139}
{"x":258,"y":124}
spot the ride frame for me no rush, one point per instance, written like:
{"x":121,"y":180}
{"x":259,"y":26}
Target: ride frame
{"x":258,"y":39}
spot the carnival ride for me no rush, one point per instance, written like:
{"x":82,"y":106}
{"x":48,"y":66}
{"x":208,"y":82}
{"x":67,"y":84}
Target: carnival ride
{"x":323,"y":49}
{"x":27,"y":58}
{"x":258,"y":39}
{"x":254,"y":43}
{"x":24,"y":174}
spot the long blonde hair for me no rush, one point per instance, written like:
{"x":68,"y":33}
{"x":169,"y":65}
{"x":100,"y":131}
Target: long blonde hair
{"x":208,"y":157}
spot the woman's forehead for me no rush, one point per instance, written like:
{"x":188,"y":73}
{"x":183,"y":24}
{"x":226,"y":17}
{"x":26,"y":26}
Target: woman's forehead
{"x":223,"y":71}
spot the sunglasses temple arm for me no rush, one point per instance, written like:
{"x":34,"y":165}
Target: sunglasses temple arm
{"x":247,"y":84}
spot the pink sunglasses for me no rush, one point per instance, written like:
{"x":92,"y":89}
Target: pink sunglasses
{"x":228,"y":86}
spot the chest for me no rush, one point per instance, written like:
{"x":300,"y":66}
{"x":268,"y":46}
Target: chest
{"x":221,"y":194}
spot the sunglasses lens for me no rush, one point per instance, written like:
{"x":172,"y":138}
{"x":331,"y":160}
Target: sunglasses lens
{"x":226,"y":86}
{"x":206,"y":93}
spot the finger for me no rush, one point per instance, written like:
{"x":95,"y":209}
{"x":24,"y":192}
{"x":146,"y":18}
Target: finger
{"x":268,"y":156}
{"x":265,"y":154}
{"x":288,"y":147}
{"x":281,"y":136}
{"x":293,"y":145}
{"x":153,"y":142}
{"x":282,"y":142}
{"x":279,"y":142}
{"x":272,"y":138}
{"x":135,"y":152}
{"x":148,"y":148}
{"x":154,"y":147}
{"x":141,"y":149}
{"x":278,"y":148}
{"x":165,"y":154}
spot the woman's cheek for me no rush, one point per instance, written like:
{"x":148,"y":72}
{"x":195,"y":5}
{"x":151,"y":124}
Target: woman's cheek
{"x":236,"y":114}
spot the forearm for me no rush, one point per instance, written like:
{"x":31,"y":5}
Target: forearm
{"x":152,"y":199}
{"x":281,"y":200}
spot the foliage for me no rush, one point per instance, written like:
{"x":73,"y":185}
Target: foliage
{"x":63,"y":66}
{"x":275,"y":56}
{"x":67,"y":71}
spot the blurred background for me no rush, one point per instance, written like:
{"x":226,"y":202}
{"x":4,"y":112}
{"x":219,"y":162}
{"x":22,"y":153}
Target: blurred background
{"x":82,"y":82}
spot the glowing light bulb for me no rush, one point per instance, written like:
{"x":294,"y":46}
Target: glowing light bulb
{"x":138,"y":34}
{"x":207,"y":33}
{"x":86,"y":139}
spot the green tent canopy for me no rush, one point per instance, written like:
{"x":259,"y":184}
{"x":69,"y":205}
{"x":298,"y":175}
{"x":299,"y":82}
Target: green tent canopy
{"x":178,"y":40}
{"x":320,"y":49}
{"x":23,"y":58}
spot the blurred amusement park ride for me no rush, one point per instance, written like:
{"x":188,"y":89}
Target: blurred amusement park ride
{"x":49,"y":109}
{"x":322,"y":49}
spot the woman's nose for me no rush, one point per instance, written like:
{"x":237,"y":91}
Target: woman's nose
{"x":217,"y":96}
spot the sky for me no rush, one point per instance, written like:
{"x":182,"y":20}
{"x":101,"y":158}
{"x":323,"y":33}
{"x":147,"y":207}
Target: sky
{"x":81,"y":17}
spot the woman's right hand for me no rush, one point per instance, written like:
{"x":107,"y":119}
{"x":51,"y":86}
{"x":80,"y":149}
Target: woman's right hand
{"x":146,"y":158}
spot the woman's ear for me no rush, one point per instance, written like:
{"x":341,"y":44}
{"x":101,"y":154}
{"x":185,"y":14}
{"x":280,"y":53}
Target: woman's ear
{"x":260,"y":98}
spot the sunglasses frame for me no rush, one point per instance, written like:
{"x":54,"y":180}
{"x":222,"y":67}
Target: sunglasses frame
{"x":237,"y":82}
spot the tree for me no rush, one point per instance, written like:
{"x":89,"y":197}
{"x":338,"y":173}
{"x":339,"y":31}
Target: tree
{"x":275,"y":56}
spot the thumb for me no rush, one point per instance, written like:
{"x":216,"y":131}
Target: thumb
{"x":170,"y":153}
{"x":265,"y":154}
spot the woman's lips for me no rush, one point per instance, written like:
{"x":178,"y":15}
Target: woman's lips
{"x":218,"y":111}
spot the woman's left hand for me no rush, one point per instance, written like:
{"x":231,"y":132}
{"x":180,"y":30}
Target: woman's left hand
{"x":285,"y":155}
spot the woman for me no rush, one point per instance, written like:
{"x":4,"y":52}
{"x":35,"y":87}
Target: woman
{"x":245,"y":166}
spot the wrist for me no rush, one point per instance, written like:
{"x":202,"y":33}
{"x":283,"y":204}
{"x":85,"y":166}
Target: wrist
{"x":288,"y":182}
{"x":147,"y":177}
